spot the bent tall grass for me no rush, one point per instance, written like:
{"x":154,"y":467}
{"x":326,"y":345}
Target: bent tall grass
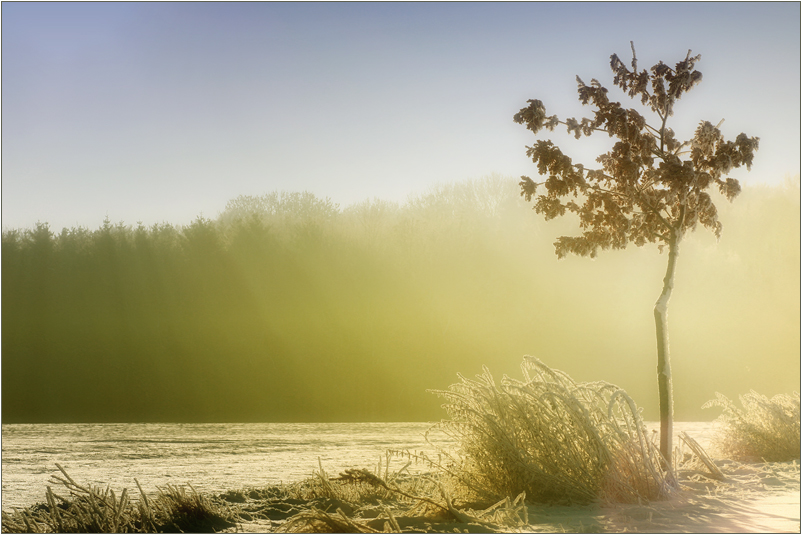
{"x":766,"y":429}
{"x":92,"y":509}
{"x":554,"y":439}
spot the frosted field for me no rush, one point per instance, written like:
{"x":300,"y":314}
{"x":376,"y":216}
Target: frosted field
{"x":759,"y":497}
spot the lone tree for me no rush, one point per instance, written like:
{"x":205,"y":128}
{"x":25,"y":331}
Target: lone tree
{"x":650,"y":188}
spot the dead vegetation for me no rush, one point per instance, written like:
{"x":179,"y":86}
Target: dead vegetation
{"x":764,"y":429}
{"x":91,"y":509}
{"x":556,"y":440}
{"x":522,"y":446}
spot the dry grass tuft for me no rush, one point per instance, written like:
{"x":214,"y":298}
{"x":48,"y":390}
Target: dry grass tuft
{"x":90,"y":509}
{"x":361,"y":501}
{"x":554,"y":439}
{"x":766,"y":429}
{"x":317,"y":521}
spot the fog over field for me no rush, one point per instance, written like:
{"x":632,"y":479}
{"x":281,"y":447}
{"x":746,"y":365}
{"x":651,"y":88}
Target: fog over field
{"x":309,"y":212}
{"x":288,"y":307}
{"x":427,"y":246}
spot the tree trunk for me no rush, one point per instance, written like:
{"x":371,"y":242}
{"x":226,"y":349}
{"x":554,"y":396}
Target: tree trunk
{"x":663,"y":363}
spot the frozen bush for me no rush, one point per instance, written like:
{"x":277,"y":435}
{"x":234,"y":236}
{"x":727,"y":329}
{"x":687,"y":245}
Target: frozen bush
{"x":557,"y":440}
{"x":766,"y":429}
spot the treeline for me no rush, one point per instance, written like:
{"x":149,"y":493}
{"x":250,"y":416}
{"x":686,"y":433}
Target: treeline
{"x":287,"y":307}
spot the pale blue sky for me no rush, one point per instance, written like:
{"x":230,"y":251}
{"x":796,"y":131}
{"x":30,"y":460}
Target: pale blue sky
{"x":163,"y":111}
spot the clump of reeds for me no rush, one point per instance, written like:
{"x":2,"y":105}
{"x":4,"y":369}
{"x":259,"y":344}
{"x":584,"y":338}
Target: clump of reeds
{"x":91,"y":509}
{"x":554,"y":439}
{"x":765,"y":429}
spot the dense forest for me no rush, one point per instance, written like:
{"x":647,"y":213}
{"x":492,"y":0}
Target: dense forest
{"x":287,"y":307}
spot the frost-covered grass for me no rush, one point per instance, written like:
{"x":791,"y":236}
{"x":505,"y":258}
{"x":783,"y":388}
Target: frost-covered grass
{"x":554,"y":439}
{"x":361,"y":501}
{"x":524,"y":449}
{"x":374,"y":500}
{"x":764,"y":429}
{"x":91,"y":509}
{"x":357,"y":501}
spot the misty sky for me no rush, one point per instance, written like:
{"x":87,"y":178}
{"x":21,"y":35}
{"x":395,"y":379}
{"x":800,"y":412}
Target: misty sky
{"x":162,"y":111}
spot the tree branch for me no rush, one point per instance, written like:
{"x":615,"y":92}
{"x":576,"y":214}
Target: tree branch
{"x":653,"y":129}
{"x":592,"y":128}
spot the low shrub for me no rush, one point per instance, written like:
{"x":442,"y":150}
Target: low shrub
{"x":765,"y":429}
{"x":554,"y":439}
